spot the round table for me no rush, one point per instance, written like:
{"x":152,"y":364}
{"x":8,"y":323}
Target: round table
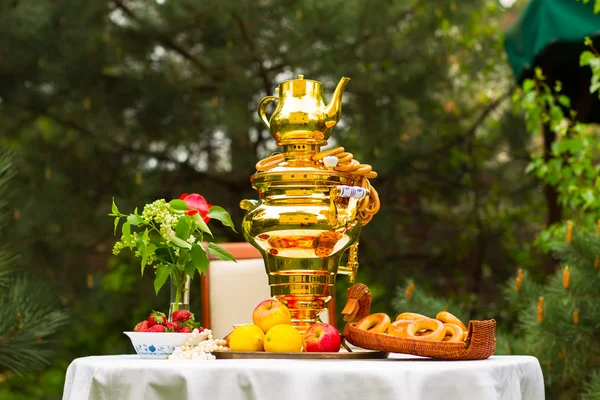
{"x":398,"y":377}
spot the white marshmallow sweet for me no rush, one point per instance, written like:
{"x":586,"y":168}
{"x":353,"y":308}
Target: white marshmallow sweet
{"x":199,"y":347}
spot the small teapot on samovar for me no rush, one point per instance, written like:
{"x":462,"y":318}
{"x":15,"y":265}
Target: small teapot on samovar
{"x":301,"y":112}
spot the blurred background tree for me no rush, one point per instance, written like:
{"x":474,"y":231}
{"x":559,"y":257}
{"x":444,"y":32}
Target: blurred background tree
{"x":30,"y":313}
{"x":560,"y":80}
{"x":143,"y":99}
{"x":558,"y":320}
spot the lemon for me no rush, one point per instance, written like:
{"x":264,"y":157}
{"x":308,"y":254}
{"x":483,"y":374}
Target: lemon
{"x":246,"y":338}
{"x":283,"y":338}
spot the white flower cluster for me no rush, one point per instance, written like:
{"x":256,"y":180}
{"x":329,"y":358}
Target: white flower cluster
{"x":197,"y":349}
{"x":123,"y":243}
{"x":161,"y":212}
{"x":167,"y":232}
{"x":156,"y":211}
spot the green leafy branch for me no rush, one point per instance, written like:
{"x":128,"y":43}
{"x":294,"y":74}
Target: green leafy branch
{"x":591,"y":58}
{"x":596,"y":5}
{"x":572,"y":166}
{"x":166,"y":237}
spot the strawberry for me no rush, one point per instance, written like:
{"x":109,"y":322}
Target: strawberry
{"x":190,"y":323}
{"x":185,"y":319}
{"x":171,"y":326}
{"x":141,"y":326}
{"x":182,"y":315}
{"x":185,"y":329}
{"x":156,"y":328}
{"x":156,"y":318}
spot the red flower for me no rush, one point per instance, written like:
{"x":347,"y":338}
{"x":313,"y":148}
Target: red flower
{"x":196,"y":204}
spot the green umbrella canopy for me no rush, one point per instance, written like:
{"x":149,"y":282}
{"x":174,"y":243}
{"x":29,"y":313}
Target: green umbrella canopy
{"x":544,"y":23}
{"x":550,"y":34}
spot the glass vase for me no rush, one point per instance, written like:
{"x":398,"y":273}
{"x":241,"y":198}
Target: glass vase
{"x":180,"y":294}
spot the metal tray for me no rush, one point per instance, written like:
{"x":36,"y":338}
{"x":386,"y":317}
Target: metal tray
{"x":342,"y":355}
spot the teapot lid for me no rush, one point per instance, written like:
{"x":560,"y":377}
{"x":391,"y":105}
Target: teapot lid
{"x":300,"y":87}
{"x":300,"y":78}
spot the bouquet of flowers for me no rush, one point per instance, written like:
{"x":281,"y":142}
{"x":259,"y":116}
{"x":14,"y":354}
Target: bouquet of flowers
{"x":169,"y":237}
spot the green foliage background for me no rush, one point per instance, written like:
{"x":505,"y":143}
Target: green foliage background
{"x":142,"y":99}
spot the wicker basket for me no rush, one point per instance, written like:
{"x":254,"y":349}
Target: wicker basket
{"x":480,"y":343}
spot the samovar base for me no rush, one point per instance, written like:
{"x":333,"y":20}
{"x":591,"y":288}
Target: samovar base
{"x":304,"y":310}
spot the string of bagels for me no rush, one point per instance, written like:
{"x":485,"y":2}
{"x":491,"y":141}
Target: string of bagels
{"x":369,"y":205}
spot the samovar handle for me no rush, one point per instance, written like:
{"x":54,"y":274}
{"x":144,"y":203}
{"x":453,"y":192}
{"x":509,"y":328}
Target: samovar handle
{"x":351,"y":267}
{"x":262,"y":109}
{"x":356,"y":192}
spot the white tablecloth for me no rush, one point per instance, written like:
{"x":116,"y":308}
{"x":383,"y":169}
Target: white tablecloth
{"x":400,"y":377}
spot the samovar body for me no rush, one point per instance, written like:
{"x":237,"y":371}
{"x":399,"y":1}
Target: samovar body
{"x":305,"y":217}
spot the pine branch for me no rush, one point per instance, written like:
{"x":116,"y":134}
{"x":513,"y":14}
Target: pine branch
{"x":6,"y":174}
{"x":415,"y":299}
{"x":28,"y":313}
{"x":586,"y":245}
{"x":592,"y":388}
{"x":562,"y":330}
{"x":28,"y":316}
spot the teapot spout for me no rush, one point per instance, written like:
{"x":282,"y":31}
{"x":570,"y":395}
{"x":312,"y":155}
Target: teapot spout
{"x":333,"y":111}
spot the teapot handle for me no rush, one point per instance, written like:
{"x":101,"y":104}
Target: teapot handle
{"x":262,"y":109}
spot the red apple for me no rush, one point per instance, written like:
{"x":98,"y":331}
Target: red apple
{"x":322,"y":337}
{"x":270,"y":313}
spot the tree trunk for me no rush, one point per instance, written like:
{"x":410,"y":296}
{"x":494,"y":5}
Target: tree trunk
{"x":551,"y":196}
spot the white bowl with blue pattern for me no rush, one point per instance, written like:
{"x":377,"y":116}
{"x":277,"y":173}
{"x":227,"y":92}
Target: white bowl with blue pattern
{"x":156,"y":345}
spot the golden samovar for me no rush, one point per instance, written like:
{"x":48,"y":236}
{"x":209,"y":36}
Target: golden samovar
{"x":309,"y":208}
